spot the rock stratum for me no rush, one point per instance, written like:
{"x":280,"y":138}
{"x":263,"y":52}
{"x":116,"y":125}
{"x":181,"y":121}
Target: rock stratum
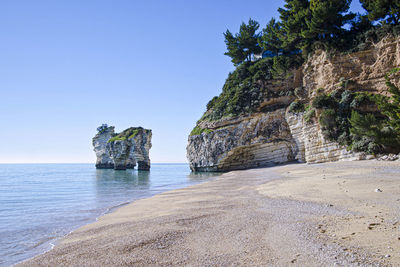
{"x":121,"y":151}
{"x":273,"y":135}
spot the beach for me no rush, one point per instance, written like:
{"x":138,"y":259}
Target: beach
{"x":343,"y":213}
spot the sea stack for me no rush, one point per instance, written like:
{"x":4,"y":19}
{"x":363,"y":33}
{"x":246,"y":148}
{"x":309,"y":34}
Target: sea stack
{"x":121,"y":151}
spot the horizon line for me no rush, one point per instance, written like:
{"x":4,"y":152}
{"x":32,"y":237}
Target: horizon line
{"x":81,"y":163}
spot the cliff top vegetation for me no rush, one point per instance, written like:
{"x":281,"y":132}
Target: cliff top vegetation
{"x":128,"y":134}
{"x":303,"y":27}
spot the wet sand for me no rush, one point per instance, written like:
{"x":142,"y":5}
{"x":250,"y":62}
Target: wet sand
{"x":298,"y":215}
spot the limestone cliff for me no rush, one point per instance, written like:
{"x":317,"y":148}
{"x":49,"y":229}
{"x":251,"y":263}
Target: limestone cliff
{"x":101,"y":148}
{"x":124,"y":150}
{"x":260,"y":140}
{"x":272,"y":134}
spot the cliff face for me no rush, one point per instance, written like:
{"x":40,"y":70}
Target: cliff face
{"x":254,"y":141}
{"x":365,"y":69}
{"x":102,"y":150}
{"x":310,"y":144}
{"x":124,"y":150}
{"x":273,"y":135}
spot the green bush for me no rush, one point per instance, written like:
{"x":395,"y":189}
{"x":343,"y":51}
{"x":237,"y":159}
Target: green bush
{"x":282,"y":64}
{"x":242,"y":92}
{"x":362,"y":99}
{"x":337,"y":94}
{"x":102,"y":128}
{"x":382,"y":127}
{"x":365,"y":144}
{"x":212,"y":102}
{"x":328,"y":123}
{"x":323,"y":101}
{"x":364,"y":34}
{"x":296,"y":107}
{"x":309,"y":115}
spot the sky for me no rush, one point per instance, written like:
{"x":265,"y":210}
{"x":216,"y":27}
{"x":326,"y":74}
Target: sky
{"x":68,"y":66}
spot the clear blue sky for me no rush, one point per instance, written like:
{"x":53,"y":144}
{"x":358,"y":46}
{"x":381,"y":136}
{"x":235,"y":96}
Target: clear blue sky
{"x":68,"y":66}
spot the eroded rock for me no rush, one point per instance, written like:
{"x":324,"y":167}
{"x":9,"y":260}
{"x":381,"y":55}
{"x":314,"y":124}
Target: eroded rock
{"x":124,"y":150}
{"x":274,"y":136}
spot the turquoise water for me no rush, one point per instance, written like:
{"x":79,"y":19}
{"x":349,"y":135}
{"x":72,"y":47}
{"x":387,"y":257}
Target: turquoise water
{"x":42,"y":202}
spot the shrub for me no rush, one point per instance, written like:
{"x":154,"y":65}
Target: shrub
{"x":383,"y":127}
{"x":242,"y":92}
{"x":334,"y":119}
{"x":365,"y":144}
{"x":282,"y":64}
{"x":362,"y":99}
{"x":102,"y":128}
{"x":212,"y":102}
{"x":296,"y":107}
{"x":344,"y":104}
{"x":363,"y":34}
{"x":323,"y":101}
{"x":344,"y":139}
{"x":337,"y":94}
{"x":327,"y":119}
{"x":309,"y":115}
{"x":261,"y":70}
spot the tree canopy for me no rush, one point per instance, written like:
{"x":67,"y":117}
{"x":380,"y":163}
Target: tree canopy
{"x":304,"y":23}
{"x":270,"y":39}
{"x":385,"y":10}
{"x":327,"y":18}
{"x":293,"y":22}
{"x":244,"y":44}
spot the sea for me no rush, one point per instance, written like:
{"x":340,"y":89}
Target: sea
{"x":40,"y":203}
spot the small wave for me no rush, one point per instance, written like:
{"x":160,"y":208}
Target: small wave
{"x":43,"y":241}
{"x":113,"y":208}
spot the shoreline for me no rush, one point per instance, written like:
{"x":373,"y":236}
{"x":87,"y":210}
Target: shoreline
{"x":53,"y":242}
{"x":271,"y":202}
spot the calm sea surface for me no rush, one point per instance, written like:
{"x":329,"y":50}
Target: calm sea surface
{"x":42,"y":202}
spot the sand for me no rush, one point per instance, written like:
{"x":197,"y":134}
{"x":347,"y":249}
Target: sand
{"x":294,"y":215}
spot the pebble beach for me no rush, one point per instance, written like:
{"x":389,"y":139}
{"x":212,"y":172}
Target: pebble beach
{"x":343,"y":213}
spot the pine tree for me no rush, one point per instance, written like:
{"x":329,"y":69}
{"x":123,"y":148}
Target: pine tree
{"x":271,"y":37}
{"x":327,"y":19}
{"x":364,"y":125}
{"x":244,"y":44}
{"x":383,"y":131}
{"x":235,"y":52}
{"x":391,"y":108}
{"x":293,"y":17}
{"x":385,"y":10}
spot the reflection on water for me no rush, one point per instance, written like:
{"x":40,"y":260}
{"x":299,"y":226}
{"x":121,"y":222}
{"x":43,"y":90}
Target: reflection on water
{"x":128,"y":177}
{"x":113,"y":186}
{"x":203,"y":176}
